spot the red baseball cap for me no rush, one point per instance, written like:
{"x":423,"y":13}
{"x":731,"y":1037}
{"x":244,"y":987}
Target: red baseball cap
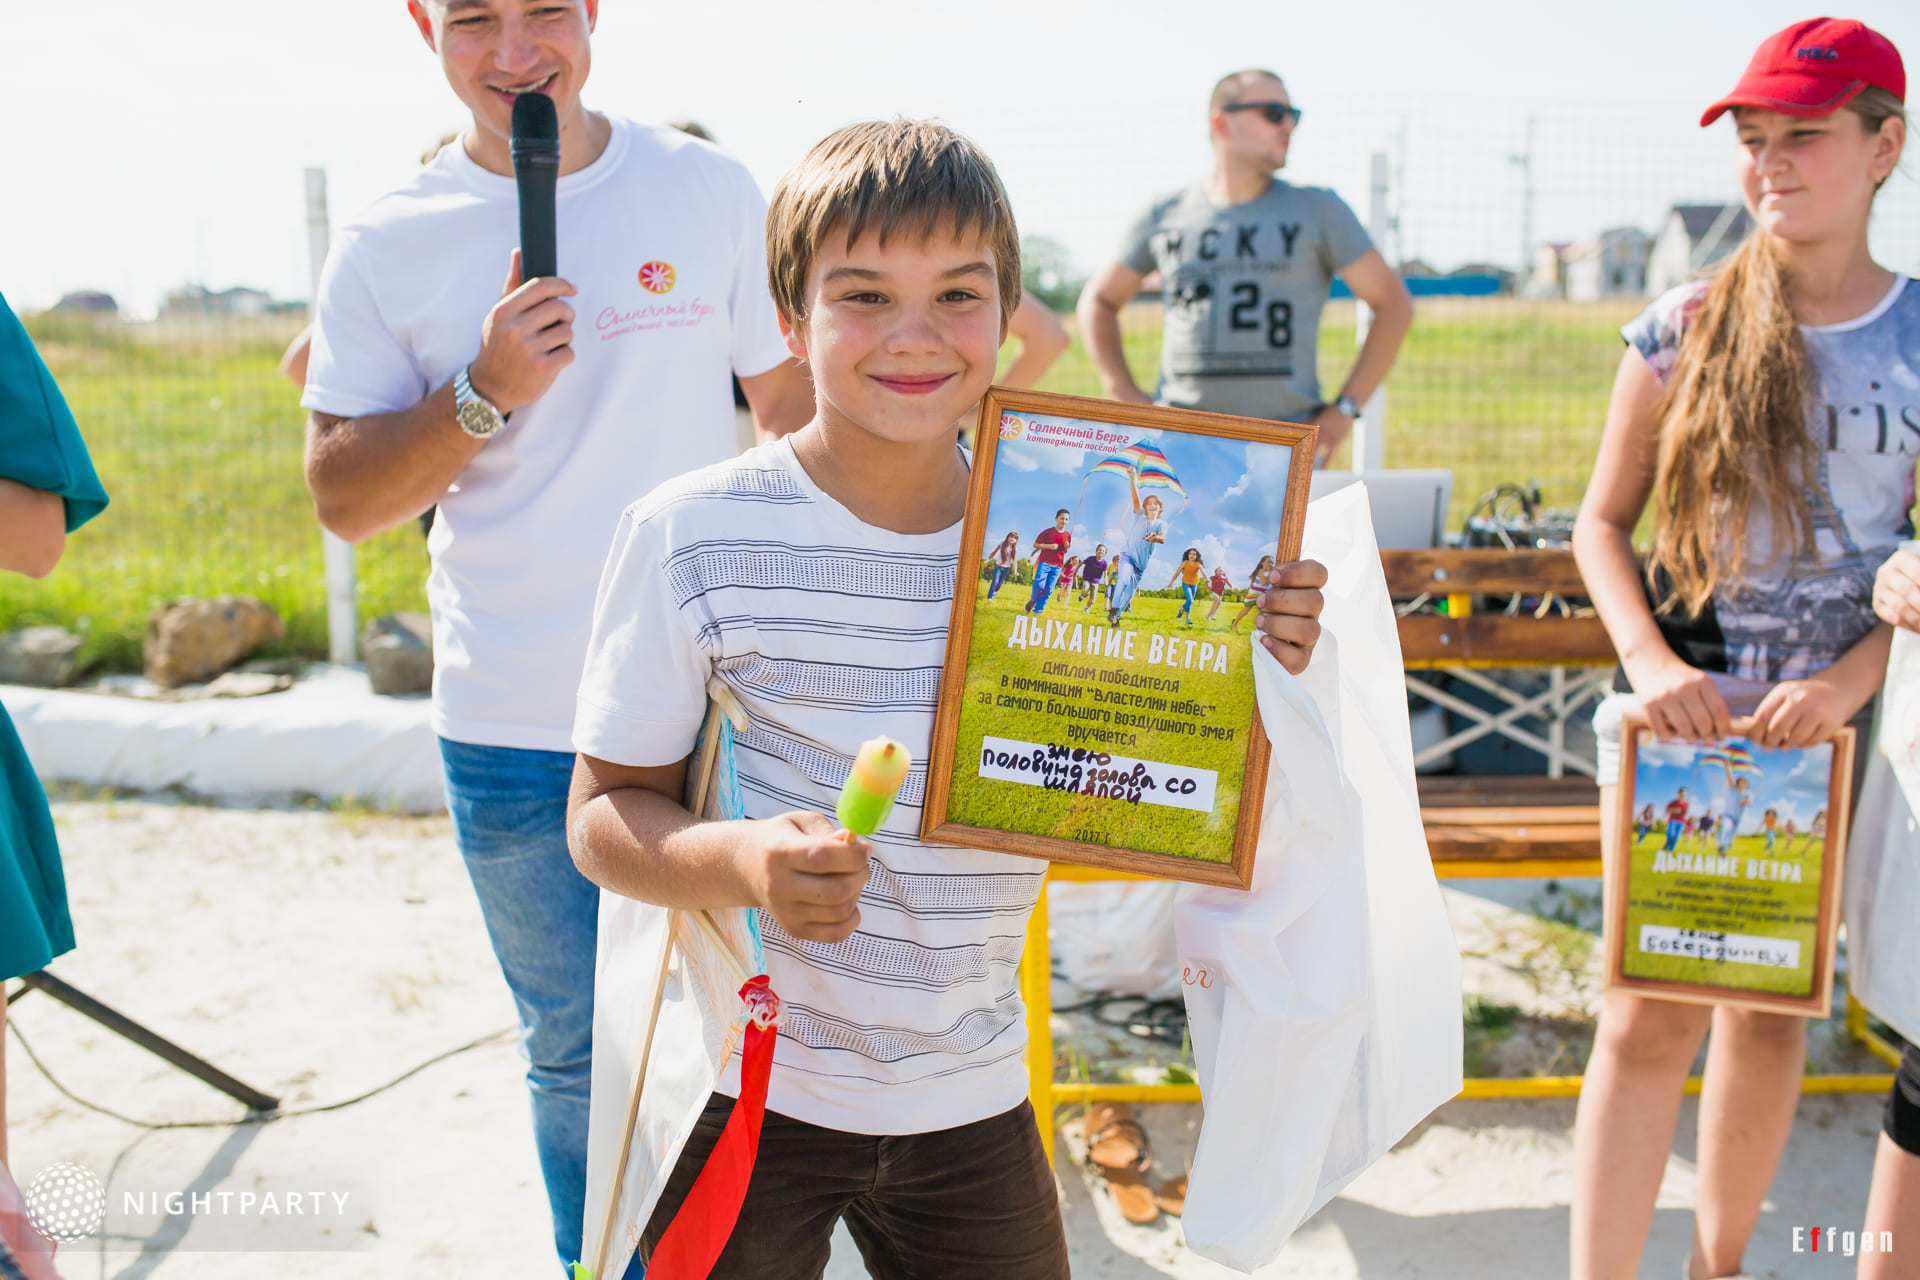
{"x":1815,"y":67}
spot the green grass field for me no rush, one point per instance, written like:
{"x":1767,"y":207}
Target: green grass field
{"x":198,"y":441}
{"x":1496,"y":389}
{"x":1151,"y":828}
{"x":1766,"y":908}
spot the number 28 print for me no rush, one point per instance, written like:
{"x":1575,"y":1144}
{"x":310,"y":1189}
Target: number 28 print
{"x":1097,"y":704}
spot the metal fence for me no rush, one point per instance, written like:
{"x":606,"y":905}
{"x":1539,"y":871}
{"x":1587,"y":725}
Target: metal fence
{"x":198,"y":437}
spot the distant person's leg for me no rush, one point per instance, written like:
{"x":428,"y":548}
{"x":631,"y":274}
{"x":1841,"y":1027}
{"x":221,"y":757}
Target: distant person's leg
{"x":1126,"y":578}
{"x":1623,"y":1129}
{"x":509,"y":810}
{"x":1630,"y":1098}
{"x":1893,"y":1203}
{"x":1747,"y":1101}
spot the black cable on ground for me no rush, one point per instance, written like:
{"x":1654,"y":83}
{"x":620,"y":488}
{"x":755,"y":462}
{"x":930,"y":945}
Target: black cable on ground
{"x":257,"y":1117}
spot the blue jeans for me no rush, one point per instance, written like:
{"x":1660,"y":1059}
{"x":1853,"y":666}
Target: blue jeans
{"x":1044,"y":576}
{"x":1126,"y":579}
{"x":509,"y":809}
{"x":999,"y":580}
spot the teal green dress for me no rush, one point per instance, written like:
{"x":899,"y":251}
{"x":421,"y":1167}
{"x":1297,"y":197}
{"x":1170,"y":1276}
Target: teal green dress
{"x":39,"y":446}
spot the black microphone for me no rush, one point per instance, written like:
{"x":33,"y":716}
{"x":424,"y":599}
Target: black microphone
{"x":536,"y":167}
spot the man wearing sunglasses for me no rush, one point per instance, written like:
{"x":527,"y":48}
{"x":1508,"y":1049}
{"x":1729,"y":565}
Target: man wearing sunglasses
{"x":1246,"y":261}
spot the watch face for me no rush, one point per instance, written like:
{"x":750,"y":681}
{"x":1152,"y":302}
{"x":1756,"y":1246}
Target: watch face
{"x":477,"y":420}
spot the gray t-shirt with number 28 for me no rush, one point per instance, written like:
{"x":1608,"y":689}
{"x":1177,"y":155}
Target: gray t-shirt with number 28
{"x":1244,"y":286}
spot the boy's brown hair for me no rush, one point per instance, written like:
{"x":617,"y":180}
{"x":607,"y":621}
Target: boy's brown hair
{"x":892,"y":177}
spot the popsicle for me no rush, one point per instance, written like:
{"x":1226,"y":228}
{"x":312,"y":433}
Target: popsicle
{"x":867,"y":798}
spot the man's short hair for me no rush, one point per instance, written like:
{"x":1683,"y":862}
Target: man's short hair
{"x":892,"y":177}
{"x":1061,"y":512}
{"x":1228,"y":91}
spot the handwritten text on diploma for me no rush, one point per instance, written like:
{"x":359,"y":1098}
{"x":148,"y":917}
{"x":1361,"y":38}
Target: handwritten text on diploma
{"x":1705,"y":944}
{"x":1095,"y":773}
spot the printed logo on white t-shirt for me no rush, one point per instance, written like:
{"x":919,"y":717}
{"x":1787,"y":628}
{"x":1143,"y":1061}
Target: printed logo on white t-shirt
{"x":657,"y":277}
{"x":653,"y":310}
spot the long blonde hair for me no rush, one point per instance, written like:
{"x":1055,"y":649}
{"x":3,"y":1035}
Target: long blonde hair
{"x":1733,"y":423}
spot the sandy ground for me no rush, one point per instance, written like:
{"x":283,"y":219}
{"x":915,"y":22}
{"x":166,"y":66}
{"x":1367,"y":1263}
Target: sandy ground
{"x":320,"y":954}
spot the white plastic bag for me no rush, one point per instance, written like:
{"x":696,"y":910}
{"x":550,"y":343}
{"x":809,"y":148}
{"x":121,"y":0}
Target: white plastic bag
{"x":1899,"y":736}
{"x":1325,"y":1001}
{"x":1883,"y":855}
{"x":1116,"y":936}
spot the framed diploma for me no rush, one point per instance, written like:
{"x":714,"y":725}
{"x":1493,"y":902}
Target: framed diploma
{"x":1097,"y":704}
{"x":1725,"y":867}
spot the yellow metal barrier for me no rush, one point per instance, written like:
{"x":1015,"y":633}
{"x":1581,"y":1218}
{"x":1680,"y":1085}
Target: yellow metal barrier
{"x":1046,"y":1093}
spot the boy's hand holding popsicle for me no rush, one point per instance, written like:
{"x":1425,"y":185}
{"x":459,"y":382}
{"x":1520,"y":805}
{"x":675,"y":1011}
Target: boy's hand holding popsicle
{"x":809,"y":873}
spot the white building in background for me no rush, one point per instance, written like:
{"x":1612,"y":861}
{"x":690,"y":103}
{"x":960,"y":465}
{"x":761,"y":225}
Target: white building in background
{"x":198,"y":300}
{"x":1548,"y":279}
{"x":1693,"y":240}
{"x":1611,"y":265}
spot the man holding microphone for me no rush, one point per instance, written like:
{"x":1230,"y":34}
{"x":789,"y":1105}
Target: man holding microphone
{"x":532,"y":413}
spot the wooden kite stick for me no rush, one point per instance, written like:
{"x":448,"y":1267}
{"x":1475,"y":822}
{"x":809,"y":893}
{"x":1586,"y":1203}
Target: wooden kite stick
{"x":701,"y":793}
{"x":633,"y":1099}
{"x":705,"y":922}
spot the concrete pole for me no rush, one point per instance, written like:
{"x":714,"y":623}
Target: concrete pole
{"x":343,"y":611}
{"x":1370,"y":431}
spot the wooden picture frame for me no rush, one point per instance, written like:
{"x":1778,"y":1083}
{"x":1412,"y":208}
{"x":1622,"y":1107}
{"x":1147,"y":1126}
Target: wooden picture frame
{"x":1080,"y":736}
{"x":1687,"y":897}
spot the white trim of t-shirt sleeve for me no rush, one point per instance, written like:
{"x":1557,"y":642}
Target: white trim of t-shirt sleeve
{"x":607,"y":734}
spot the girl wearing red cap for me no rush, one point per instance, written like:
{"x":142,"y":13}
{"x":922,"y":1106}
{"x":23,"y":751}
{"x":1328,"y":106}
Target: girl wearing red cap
{"x":1767,"y":410}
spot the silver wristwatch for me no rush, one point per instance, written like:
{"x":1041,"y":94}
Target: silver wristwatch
{"x":1346,"y":405}
{"x":474,"y":412}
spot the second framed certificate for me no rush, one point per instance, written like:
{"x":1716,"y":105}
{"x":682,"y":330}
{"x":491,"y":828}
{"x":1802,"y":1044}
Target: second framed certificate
{"x":1097,"y":705}
{"x":1723,"y":881}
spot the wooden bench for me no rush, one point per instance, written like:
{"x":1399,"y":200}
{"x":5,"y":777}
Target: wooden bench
{"x":1505,"y":826}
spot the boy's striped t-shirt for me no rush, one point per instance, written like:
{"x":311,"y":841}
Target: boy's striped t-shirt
{"x":831,"y":631}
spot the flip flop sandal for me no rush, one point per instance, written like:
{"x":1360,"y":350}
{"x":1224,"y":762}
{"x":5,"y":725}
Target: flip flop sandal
{"x":1131,"y":1195}
{"x":1172,"y":1196}
{"x":1115,"y":1139}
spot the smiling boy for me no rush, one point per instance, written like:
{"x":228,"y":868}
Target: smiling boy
{"x":815,"y":576}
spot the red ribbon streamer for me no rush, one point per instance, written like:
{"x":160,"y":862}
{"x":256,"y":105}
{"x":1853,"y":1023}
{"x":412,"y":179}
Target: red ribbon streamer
{"x":694,"y":1239}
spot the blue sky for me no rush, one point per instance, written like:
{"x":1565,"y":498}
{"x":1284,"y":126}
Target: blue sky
{"x":1234,"y":490}
{"x":1794,"y":782}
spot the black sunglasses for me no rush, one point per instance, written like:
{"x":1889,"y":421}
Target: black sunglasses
{"x":1275,"y":112}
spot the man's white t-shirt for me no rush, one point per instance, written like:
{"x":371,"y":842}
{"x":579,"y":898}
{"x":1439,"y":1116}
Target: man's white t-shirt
{"x":831,"y":631}
{"x":664,"y":236}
